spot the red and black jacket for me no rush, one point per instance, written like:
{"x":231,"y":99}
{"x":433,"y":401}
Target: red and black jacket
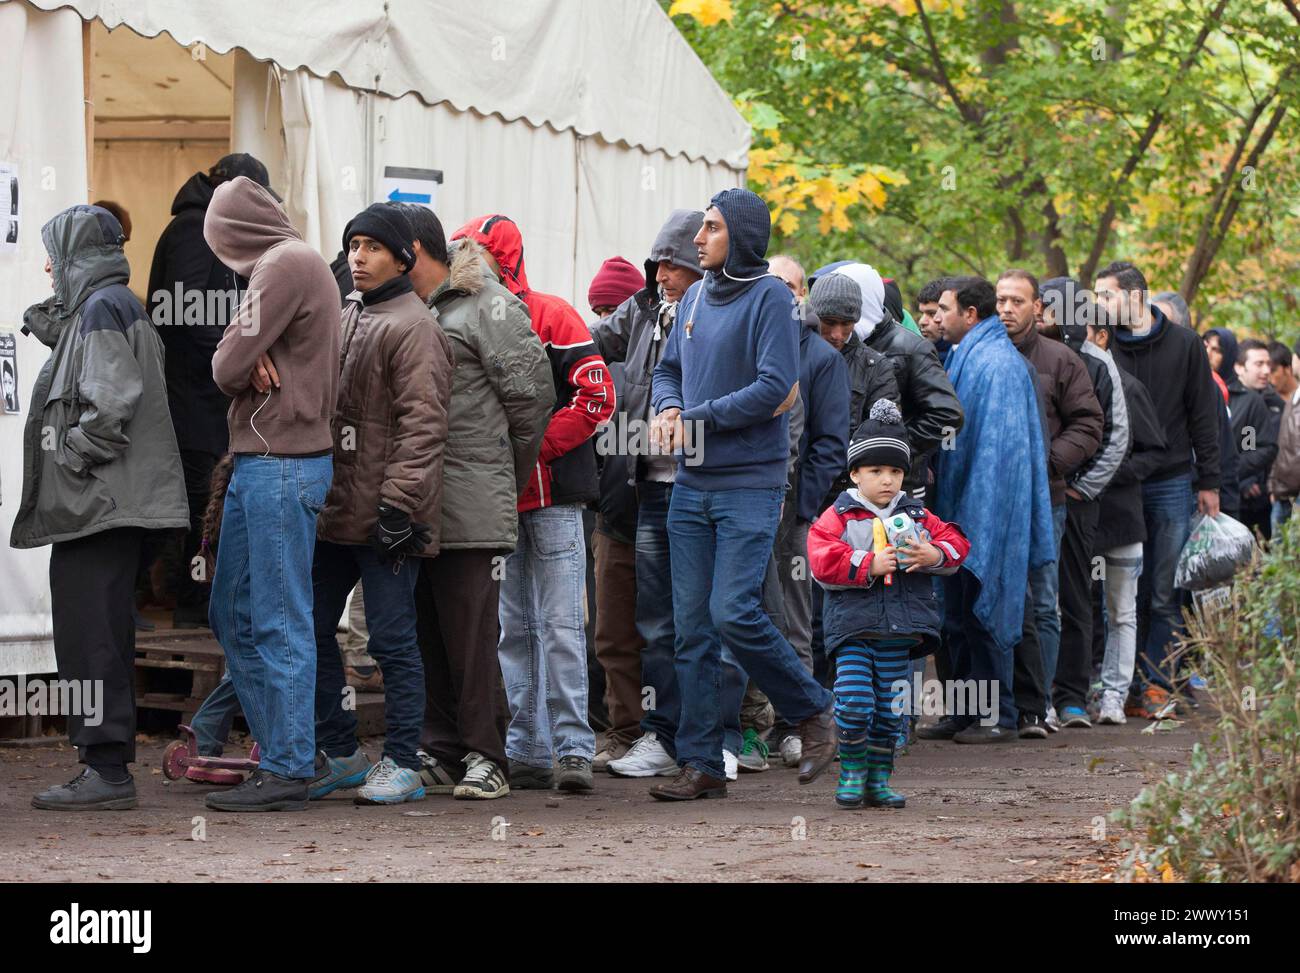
{"x":584,"y":391}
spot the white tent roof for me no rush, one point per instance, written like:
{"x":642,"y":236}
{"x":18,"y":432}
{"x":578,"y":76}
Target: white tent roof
{"x":617,"y":68}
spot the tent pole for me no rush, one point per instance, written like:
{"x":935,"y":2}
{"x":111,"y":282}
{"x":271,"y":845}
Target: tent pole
{"x":87,"y":54}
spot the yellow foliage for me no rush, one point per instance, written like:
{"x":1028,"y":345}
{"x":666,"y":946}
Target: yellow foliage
{"x":707,"y":12}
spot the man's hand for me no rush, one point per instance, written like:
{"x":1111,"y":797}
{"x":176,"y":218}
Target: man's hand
{"x":1207,"y":502}
{"x":667,"y":431}
{"x":1073,"y":494}
{"x":264,"y":375}
{"x":884,"y":562}
{"x":1253,"y":490}
{"x":920,"y":556}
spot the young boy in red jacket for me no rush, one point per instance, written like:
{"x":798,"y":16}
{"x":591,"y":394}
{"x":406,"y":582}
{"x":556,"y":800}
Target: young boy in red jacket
{"x":872,"y":551}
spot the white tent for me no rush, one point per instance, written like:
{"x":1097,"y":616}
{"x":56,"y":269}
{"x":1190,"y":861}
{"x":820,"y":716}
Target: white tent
{"x":586,"y":121}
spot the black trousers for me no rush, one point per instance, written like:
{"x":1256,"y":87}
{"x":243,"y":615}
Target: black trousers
{"x":1028,"y":673}
{"x":1074,"y":665}
{"x":190,"y":594}
{"x":92,"y":596}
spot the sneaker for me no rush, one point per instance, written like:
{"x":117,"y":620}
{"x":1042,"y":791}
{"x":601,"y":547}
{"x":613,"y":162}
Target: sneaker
{"x":263,"y":791}
{"x":338,"y":773}
{"x":88,"y":792}
{"x":730,"y":764}
{"x":791,"y":750}
{"x":611,"y":751}
{"x":1093,"y":703}
{"x":1198,"y":683}
{"x":645,"y":758}
{"x":1157,"y":704}
{"x":1112,"y":711}
{"x":1053,"y":722}
{"x":753,"y":754}
{"x":1076,"y":718}
{"x":387,"y":783}
{"x":525,"y":777}
{"x":945,"y":729}
{"x":574,"y":775}
{"x":436,"y":778}
{"x":484,"y":780}
{"x":975,"y":733}
{"x":1031,"y":726}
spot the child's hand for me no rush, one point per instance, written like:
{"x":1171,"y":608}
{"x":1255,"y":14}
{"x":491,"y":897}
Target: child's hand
{"x":884,"y":562}
{"x":915,"y":557}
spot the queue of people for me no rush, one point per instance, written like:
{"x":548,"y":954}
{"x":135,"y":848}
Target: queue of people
{"x":802,"y":493}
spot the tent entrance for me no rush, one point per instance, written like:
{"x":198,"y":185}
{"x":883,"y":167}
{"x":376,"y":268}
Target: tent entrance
{"x":161,"y":113}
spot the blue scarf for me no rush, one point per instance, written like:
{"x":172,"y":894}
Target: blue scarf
{"x":993,"y":482}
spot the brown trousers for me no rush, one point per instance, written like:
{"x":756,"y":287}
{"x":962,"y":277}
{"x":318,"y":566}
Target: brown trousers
{"x":456,"y":621}
{"x":618,"y":644}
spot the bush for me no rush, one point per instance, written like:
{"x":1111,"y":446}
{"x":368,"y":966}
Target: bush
{"x":1234,"y":814}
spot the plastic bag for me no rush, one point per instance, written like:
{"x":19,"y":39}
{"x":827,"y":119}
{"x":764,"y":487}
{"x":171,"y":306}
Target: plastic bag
{"x":1217,"y":548}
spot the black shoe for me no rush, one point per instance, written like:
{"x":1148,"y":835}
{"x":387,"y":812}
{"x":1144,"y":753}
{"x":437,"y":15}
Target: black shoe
{"x":945,"y":729}
{"x":524,"y":777}
{"x":1032,"y":727}
{"x":975,"y":733}
{"x":88,"y":792}
{"x":263,"y":791}
{"x":574,"y":775}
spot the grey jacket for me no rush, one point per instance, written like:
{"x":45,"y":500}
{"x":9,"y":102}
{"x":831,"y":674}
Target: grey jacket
{"x":502,"y":396}
{"x":1091,"y":478}
{"x":628,"y":335}
{"x":99,"y":450}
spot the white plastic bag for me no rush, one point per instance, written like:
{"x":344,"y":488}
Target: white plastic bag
{"x":1216,"y":550}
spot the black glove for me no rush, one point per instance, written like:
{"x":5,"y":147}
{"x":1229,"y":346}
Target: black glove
{"x":394,"y":534}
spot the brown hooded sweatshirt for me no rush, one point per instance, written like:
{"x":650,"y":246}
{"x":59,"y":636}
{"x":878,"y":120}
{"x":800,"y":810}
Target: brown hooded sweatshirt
{"x":290,"y":311}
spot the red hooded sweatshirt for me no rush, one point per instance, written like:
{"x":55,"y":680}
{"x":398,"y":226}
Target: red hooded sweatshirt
{"x":584,"y":391}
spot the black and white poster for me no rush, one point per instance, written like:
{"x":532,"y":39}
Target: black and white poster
{"x":8,"y":207}
{"x":9,"y":372}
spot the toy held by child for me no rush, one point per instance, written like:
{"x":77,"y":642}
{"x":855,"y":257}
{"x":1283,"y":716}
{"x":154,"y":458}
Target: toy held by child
{"x":876,"y":532}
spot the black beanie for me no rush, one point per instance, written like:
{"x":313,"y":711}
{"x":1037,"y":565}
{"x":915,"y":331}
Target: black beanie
{"x":881,"y":440}
{"x":387,"y":224}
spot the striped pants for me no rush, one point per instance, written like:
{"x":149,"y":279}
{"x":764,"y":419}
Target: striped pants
{"x":868,"y":680}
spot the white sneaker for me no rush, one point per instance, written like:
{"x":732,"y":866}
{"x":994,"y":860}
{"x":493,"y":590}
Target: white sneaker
{"x":387,"y":783}
{"x":1053,"y":722}
{"x":730,"y":764}
{"x":791,"y":751}
{"x":647,"y":758}
{"x":1112,"y":710}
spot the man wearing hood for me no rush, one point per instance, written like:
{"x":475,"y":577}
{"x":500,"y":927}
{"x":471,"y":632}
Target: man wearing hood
{"x":501,"y":400}
{"x":100,"y":467}
{"x":731,"y":368}
{"x":543,"y":648}
{"x":1171,"y":363}
{"x":191,"y":298}
{"x":278,"y":360}
{"x":929,"y":405}
{"x":636,"y":335}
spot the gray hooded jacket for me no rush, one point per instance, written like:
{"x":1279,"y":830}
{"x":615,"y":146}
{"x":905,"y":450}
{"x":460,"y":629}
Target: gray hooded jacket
{"x":99,"y":450}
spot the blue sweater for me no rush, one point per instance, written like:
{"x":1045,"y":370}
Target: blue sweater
{"x":824,"y":445}
{"x":733,"y":371}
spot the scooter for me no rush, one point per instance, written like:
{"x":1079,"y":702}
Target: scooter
{"x":182,"y":759}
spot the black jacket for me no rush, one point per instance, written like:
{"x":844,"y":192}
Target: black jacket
{"x":871,"y":378}
{"x":1254,"y":434}
{"x":628,"y":336}
{"x":929,"y":405}
{"x":1119,"y":516}
{"x":617,"y":502}
{"x":190,"y":331}
{"x":824,"y":441}
{"x":1170,"y":361}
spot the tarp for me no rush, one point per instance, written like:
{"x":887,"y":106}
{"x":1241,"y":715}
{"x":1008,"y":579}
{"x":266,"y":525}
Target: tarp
{"x":613,"y":68}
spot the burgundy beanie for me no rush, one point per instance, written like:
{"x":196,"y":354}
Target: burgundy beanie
{"x":614,"y":283}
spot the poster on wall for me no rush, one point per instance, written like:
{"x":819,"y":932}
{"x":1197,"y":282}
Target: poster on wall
{"x":8,"y":207}
{"x":404,"y":184}
{"x":9,"y":373}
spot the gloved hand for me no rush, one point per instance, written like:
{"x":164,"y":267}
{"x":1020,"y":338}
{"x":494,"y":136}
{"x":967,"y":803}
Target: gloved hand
{"x":394,"y":534}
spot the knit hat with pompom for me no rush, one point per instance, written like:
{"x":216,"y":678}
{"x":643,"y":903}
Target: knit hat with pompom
{"x":881,"y":440}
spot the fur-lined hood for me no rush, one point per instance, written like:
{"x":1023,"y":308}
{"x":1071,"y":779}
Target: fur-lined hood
{"x":468,"y":269}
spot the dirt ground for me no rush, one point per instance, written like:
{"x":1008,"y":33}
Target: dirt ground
{"x":1017,"y":812}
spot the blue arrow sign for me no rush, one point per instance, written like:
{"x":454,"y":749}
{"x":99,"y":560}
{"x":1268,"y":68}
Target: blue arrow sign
{"x":397,"y":196}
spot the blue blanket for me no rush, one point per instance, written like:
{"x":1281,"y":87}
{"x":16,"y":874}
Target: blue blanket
{"x":993,"y":481}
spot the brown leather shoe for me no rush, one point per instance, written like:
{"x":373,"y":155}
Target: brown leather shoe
{"x":688,"y":785}
{"x":819,"y":739}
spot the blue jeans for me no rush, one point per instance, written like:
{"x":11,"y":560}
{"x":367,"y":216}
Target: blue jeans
{"x":390,"y":620}
{"x":212,"y":721}
{"x":721,"y":542}
{"x":654,"y":622}
{"x":260,"y":609}
{"x":1167,"y":507}
{"x":1280,"y":514}
{"x":543,"y":647}
{"x":1044,"y":587}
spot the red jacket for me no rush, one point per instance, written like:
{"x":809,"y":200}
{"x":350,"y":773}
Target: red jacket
{"x":584,"y":391}
{"x":840,"y":554}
